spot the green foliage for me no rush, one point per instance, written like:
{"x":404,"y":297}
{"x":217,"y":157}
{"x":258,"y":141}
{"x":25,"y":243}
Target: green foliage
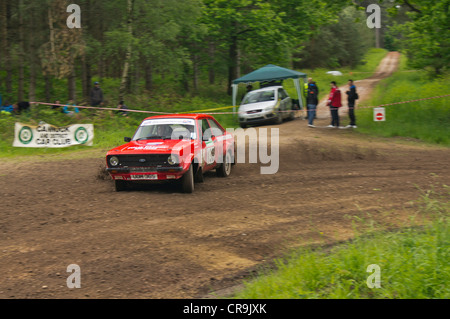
{"x":342,"y":43}
{"x":426,"y":120}
{"x":414,"y":263}
{"x":424,"y":37}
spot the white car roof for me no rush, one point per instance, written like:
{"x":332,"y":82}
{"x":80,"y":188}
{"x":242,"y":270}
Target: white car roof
{"x":269,"y":88}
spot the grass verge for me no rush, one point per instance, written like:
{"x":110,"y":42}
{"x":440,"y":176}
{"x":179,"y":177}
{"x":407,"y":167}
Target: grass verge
{"x":414,"y":262}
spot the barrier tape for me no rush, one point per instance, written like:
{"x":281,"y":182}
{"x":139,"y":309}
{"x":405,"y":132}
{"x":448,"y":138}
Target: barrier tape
{"x":225,"y":107}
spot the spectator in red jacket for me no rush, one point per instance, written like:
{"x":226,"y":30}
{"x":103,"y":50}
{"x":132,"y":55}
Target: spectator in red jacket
{"x":334,"y":102}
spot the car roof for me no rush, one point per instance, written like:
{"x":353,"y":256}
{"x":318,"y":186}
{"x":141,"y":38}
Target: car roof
{"x":268,"y":88}
{"x":194,"y":116}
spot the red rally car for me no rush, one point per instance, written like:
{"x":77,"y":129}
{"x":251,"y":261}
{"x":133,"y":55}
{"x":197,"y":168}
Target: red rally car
{"x":173,"y":147}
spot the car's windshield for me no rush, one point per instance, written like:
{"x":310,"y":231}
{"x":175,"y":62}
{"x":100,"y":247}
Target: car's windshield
{"x":174,"y":129}
{"x":261,"y":96}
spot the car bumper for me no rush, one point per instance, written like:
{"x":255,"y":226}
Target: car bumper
{"x":256,"y":118}
{"x":142,"y":174}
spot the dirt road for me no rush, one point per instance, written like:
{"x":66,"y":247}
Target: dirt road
{"x":387,"y":66}
{"x":155,"y":242}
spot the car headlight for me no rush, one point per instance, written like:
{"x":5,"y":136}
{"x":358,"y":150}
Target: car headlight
{"x":114,"y":161}
{"x":172,"y":160}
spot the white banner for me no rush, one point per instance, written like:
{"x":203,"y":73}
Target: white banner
{"x":46,"y":135}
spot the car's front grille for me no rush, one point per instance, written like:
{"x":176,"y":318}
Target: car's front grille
{"x":254,"y":111}
{"x":255,"y":119}
{"x":151,"y":160}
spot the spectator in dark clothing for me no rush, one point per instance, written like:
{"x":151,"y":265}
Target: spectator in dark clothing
{"x":57,"y":105}
{"x":96,"y":95}
{"x":23,"y":106}
{"x":122,"y":106}
{"x":312,"y":99}
{"x":352,"y":96}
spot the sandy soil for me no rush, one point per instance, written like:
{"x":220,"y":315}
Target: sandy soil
{"x":156,"y":242}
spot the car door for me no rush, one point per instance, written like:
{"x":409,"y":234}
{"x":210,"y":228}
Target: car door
{"x":218,"y":139}
{"x":282,"y":97}
{"x":208,"y":146}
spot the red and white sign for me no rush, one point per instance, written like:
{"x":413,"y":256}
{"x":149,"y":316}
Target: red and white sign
{"x":379,"y":114}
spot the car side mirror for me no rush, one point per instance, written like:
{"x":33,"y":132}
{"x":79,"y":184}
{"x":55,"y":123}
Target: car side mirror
{"x":127,"y":139}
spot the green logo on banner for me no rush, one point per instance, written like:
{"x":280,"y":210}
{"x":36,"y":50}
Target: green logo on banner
{"x":81,"y":135}
{"x":26,"y":135}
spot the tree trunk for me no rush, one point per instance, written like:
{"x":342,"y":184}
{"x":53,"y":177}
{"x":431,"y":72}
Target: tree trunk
{"x":137,"y":79}
{"x":48,"y":88}
{"x":126,"y":66}
{"x":5,"y":17}
{"x":195,"y":72}
{"x":20,"y":89}
{"x":148,"y":76}
{"x":32,"y":57}
{"x":233,"y":60}
{"x":211,"y":72}
{"x":71,"y":83}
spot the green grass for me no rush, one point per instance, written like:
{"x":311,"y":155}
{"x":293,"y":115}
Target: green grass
{"x":414,"y":263}
{"x":427,"y":120}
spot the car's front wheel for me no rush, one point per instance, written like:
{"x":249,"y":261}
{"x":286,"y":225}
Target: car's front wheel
{"x":187,"y":181}
{"x":279,"y":118}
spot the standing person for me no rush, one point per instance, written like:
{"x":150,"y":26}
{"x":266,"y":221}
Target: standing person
{"x":352,"y":96}
{"x":96,"y":95}
{"x":312,"y":99}
{"x":334,"y":102}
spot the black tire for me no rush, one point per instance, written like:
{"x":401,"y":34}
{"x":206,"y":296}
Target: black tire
{"x":242,"y":125}
{"x":279,"y":118}
{"x":292,"y":115}
{"x":199,"y":178}
{"x":224,"y":170}
{"x":187,"y":181}
{"x":120,"y":186}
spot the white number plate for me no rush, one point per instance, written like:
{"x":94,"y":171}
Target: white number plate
{"x":144,"y":177}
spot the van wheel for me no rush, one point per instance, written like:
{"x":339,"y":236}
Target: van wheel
{"x":279,"y":118}
{"x":292,"y":115}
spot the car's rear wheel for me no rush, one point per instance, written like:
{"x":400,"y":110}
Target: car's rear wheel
{"x":224,"y":170}
{"x":120,"y":186}
{"x":187,"y":181}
